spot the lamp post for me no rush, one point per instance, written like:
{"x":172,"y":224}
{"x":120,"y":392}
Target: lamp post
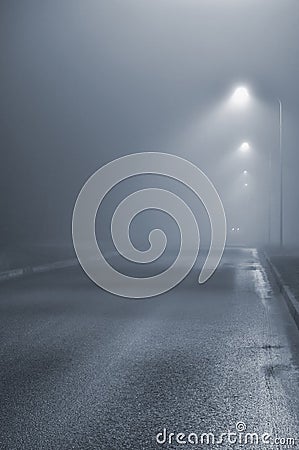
{"x":240,"y":98}
{"x":281,"y":242}
{"x":281,"y":174}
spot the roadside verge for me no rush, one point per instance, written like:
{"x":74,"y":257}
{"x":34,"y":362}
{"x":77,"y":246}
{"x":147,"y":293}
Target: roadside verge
{"x":291,"y":301}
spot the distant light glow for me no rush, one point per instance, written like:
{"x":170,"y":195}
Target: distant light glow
{"x":240,"y":96}
{"x":233,"y":229}
{"x":238,"y":229}
{"x":246,"y":184}
{"x":245,"y":147}
{"x":245,"y":172}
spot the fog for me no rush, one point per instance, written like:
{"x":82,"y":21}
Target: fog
{"x":85,"y":82}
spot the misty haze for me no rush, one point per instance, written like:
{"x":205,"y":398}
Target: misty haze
{"x":149,"y":224}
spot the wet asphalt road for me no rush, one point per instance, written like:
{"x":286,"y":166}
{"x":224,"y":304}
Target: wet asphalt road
{"x":82,"y":369}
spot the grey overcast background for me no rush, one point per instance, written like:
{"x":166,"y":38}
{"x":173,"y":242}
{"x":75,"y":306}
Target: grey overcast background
{"x":84,"y":82}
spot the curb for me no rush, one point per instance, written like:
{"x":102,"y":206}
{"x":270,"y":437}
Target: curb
{"x":30,"y":270}
{"x":292,"y":303}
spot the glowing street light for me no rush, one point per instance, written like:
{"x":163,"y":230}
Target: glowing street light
{"x":245,"y":147}
{"x":246,"y":184}
{"x":240,"y":96}
{"x":245,"y":172}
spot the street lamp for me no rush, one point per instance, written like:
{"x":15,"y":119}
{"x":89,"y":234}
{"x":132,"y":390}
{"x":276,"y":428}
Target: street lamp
{"x":245,"y":172}
{"x":240,"y":96}
{"x":245,"y":147}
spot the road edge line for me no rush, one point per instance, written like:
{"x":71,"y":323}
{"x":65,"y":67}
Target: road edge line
{"x":30,"y":270}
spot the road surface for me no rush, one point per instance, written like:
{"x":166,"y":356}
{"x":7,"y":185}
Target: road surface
{"x":82,"y":369}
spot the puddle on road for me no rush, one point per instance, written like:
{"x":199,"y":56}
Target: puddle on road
{"x":262,"y":285}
